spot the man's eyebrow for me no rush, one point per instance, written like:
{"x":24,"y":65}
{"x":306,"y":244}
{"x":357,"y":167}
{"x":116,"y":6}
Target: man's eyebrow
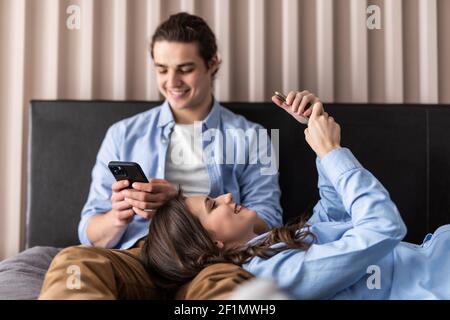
{"x":186,"y":64}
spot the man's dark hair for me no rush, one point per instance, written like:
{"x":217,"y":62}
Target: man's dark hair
{"x":185,"y":27}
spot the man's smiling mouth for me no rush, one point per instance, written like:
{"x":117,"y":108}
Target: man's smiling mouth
{"x":177,"y":93}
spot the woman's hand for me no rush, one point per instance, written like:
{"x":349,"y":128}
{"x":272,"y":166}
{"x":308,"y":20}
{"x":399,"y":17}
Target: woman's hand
{"x":297,"y":104}
{"x":323,"y":133}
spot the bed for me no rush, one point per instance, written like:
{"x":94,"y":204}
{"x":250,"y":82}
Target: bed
{"x":405,"y":146}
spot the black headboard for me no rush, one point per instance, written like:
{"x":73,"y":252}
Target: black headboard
{"x":407,"y":147}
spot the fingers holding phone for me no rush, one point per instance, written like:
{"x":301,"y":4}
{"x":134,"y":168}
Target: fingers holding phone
{"x":297,"y":104}
{"x":146,"y":198}
{"x":127,"y":173}
{"x":323,"y":133}
{"x":133,"y":191}
{"x":121,"y":209}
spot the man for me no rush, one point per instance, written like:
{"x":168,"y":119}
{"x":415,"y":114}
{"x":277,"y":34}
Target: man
{"x":185,"y":57}
{"x":115,"y":216}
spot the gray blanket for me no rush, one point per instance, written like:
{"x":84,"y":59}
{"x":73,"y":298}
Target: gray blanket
{"x":21,"y":276}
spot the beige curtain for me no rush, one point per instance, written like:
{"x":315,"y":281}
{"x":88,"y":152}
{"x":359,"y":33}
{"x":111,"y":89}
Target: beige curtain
{"x":97,"y":49}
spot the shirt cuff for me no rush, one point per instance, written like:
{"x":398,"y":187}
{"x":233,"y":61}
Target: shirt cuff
{"x":82,"y":231}
{"x":337,"y":162}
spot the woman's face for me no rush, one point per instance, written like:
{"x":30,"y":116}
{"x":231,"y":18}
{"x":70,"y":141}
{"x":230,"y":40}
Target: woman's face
{"x":228,"y":224}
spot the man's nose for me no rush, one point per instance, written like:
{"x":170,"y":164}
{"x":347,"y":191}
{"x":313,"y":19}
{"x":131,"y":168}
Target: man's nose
{"x":173,"y":79}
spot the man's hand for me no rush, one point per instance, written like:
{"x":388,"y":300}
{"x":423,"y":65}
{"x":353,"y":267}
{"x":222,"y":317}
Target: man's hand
{"x":121,"y":211}
{"x":145,"y":198}
{"x":323,"y":133}
{"x":296,"y":103}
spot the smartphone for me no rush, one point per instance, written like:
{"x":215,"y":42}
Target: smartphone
{"x":130,"y":171}
{"x":283,"y":98}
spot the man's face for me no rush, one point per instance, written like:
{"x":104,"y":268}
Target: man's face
{"x":182,"y":75}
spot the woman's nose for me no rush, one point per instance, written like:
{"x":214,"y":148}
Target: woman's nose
{"x":225,"y":198}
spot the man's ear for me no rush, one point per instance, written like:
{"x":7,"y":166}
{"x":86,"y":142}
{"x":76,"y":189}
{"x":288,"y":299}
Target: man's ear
{"x":214,"y":64}
{"x":219,"y":244}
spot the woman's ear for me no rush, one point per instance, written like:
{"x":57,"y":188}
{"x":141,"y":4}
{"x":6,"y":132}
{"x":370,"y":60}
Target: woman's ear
{"x":219,"y":244}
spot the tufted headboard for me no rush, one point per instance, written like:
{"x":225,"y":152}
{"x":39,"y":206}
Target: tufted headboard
{"x":407,"y":147}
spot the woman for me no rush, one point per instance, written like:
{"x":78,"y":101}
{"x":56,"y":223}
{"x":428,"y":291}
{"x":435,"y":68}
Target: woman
{"x":349,"y":249}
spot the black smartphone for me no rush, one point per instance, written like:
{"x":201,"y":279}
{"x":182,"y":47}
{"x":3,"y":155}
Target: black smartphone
{"x":130,"y":171}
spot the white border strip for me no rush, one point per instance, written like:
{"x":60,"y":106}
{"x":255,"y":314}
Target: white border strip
{"x":119,"y":49}
{"x":428,"y":57}
{"x":153,"y":20}
{"x":393,"y":51}
{"x":256,"y":50}
{"x":86,"y":49}
{"x":187,"y":6}
{"x":16,"y":106}
{"x":290,"y":45}
{"x":222,"y":31}
{"x":325,"y":50}
{"x":46,"y":49}
{"x":359,"y":66}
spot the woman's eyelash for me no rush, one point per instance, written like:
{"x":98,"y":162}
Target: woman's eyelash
{"x":213,"y":205}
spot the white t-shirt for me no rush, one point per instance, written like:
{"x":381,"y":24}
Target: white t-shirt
{"x":184,"y":162}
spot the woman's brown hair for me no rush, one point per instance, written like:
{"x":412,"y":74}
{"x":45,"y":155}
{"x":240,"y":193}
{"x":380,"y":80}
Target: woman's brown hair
{"x":177,"y":247}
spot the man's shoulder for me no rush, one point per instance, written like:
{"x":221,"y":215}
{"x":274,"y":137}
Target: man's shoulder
{"x":144,"y":118}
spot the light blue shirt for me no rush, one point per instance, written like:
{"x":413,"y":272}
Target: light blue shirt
{"x":358,"y":253}
{"x":144,"y":139}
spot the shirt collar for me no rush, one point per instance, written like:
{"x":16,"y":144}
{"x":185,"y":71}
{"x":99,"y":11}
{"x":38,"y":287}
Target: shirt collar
{"x":165,"y":115}
{"x":258,"y":238}
{"x":211,"y":120}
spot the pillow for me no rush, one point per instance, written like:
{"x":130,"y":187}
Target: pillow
{"x":21,"y":276}
{"x":259,"y":289}
{"x":215,"y":282}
